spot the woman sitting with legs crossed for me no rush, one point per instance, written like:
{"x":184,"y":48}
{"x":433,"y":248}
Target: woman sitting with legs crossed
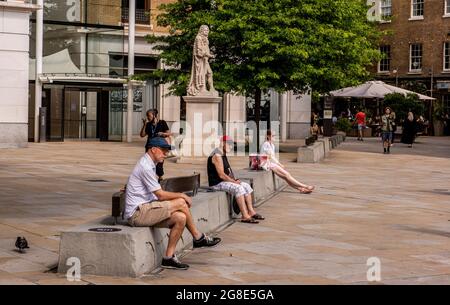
{"x":268,"y":148}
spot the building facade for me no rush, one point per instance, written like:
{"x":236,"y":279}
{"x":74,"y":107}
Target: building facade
{"x":416,"y":49}
{"x":85,"y":60}
{"x":83,"y":77}
{"x":14,"y":54}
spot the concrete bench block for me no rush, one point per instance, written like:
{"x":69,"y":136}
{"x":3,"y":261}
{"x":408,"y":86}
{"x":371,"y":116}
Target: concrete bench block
{"x":335,"y":140}
{"x":279,"y":183}
{"x":135,"y":251}
{"x":129,"y":252}
{"x":330,"y":143}
{"x":326,"y":146}
{"x":263,"y":182}
{"x":342,"y":134}
{"x":311,"y":154}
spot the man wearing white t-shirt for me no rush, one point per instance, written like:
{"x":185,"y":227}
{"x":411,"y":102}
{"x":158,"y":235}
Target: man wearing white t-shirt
{"x":147,"y":205}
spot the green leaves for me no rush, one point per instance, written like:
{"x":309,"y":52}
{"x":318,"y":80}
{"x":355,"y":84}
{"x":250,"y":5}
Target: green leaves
{"x":280,"y":44}
{"x":402,"y":104}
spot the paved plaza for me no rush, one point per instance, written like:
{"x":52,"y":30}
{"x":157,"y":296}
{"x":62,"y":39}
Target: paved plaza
{"x":393,"y":207}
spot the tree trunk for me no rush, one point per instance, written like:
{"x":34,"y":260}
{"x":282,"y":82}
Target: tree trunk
{"x":257,"y":115}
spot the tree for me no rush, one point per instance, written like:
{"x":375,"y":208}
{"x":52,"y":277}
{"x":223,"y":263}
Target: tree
{"x":402,"y":104}
{"x":270,"y":44}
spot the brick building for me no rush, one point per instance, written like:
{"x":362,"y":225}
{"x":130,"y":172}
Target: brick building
{"x":417,"y":47}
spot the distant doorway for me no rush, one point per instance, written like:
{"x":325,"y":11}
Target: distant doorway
{"x":76,"y":113}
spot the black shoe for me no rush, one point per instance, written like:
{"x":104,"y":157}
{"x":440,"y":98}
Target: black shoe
{"x":206,"y":241}
{"x":173,"y":263}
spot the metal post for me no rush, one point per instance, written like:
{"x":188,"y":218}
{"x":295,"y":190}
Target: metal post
{"x":283,"y":117}
{"x":431,"y":88}
{"x":38,"y":84}
{"x":43,"y":124}
{"x":131,"y":39}
{"x":328,"y":116}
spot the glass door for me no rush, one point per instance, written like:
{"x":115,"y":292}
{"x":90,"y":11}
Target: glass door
{"x":53,"y":101}
{"x":80,"y":113}
{"x":72,"y":114}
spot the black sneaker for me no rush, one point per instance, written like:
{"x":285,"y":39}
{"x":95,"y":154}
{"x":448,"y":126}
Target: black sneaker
{"x":173,"y":263}
{"x":206,"y":241}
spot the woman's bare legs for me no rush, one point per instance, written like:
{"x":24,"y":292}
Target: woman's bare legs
{"x":286,"y":176}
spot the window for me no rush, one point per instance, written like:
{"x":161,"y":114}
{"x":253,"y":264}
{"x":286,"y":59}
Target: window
{"x":142,"y":11}
{"x":386,"y":9}
{"x":447,"y":56}
{"x":415,"y":57}
{"x":417,"y":8}
{"x":118,"y":65}
{"x":446,"y":8}
{"x":385,"y":63}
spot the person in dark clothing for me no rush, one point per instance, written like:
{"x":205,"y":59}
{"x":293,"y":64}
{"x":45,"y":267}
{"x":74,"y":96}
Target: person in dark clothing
{"x":409,"y":130}
{"x":153,"y":127}
{"x":447,"y":125}
{"x":221,"y":178}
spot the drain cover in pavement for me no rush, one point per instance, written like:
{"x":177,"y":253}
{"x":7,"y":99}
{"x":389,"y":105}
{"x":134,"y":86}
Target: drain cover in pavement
{"x":105,"y":230}
{"x":96,"y":180}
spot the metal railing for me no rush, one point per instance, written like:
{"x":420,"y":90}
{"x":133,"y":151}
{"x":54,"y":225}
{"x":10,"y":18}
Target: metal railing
{"x":142,"y":16}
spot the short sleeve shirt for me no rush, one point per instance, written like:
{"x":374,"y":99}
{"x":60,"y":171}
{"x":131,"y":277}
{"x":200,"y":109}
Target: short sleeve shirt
{"x":268,"y":148}
{"x":152,"y":130}
{"x":361,"y":118}
{"x":142,"y":183}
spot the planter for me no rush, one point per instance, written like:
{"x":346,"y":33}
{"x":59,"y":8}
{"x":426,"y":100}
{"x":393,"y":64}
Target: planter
{"x":438,"y":127}
{"x":367,"y":132}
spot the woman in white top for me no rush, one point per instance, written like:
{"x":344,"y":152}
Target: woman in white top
{"x":268,"y":148}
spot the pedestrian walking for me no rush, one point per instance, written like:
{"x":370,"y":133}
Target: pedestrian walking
{"x":361,"y":121}
{"x":386,"y":130}
{"x":409,"y":130}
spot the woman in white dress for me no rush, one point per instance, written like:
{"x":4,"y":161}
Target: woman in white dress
{"x":273,"y":164}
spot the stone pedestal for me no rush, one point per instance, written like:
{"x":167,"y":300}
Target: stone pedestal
{"x":298,"y":115}
{"x":202,"y":128}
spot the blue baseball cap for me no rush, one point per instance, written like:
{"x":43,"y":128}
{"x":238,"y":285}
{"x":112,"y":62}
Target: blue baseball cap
{"x":158,"y":142}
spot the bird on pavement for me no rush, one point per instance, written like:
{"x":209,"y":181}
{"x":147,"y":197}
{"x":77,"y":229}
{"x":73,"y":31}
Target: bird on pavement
{"x":21,"y":244}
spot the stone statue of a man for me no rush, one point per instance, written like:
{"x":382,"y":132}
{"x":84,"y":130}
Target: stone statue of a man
{"x":201,"y":72}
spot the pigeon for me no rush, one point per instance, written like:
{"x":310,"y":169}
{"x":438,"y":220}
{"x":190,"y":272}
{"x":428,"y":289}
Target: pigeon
{"x":21,"y":244}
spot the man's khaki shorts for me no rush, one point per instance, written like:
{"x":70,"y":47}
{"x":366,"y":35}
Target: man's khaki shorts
{"x":153,"y":214}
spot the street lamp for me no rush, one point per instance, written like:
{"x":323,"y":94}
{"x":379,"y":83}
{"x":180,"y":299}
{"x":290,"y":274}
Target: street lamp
{"x":431,"y":87}
{"x":396,"y":76}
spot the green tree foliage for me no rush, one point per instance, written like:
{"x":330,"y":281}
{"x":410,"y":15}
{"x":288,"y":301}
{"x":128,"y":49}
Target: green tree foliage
{"x":264,"y":44}
{"x":269,"y":44}
{"x":343,"y":124}
{"x":402,"y":104}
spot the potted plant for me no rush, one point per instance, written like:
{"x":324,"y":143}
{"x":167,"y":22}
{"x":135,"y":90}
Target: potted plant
{"x":343,"y":124}
{"x":438,"y":119}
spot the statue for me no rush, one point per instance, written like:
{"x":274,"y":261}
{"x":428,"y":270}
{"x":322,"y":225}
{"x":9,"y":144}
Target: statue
{"x":201,"y":72}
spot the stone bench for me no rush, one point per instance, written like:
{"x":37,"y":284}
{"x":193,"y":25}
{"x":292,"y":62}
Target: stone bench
{"x":135,"y":251}
{"x":326,"y":145}
{"x":311,"y":154}
{"x":320,"y":149}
